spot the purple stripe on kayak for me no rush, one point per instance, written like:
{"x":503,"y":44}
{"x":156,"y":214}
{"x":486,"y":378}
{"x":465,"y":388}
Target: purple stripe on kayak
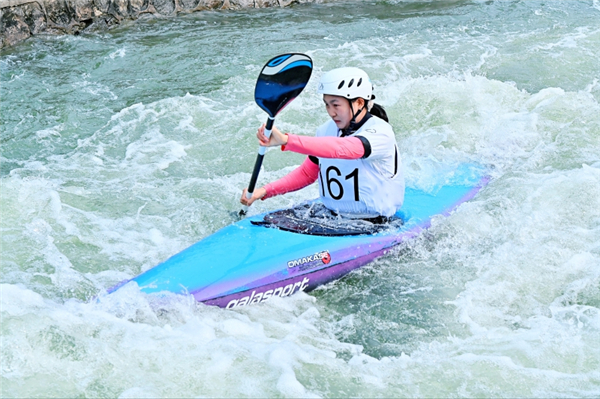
{"x":352,"y":257}
{"x":304,"y":282}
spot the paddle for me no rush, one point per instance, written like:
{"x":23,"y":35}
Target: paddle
{"x":281,"y":80}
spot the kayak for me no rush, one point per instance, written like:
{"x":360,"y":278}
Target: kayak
{"x":254,"y":260}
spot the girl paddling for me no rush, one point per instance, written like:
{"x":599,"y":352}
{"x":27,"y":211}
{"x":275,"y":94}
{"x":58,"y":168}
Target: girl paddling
{"x":354,"y":155}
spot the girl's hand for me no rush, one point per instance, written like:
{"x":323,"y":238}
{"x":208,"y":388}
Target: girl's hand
{"x":256,"y":195}
{"x":277,"y":138}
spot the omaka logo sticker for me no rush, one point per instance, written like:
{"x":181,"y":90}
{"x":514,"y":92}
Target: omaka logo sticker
{"x":308,"y":262}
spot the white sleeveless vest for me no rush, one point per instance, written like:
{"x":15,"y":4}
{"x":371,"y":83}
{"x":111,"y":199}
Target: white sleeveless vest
{"x":368,"y":186}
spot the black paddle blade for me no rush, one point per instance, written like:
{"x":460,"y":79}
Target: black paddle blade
{"x":281,"y":80}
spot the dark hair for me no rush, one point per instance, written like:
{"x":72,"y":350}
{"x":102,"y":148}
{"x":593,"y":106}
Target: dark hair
{"x":378,"y":111}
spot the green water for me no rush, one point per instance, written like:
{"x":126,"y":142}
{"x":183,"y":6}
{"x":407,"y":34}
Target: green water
{"x":121,"y":148}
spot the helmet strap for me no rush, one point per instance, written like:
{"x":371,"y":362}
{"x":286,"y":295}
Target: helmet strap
{"x":353,"y":126}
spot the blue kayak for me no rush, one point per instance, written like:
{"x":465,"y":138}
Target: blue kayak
{"x":252,"y":261}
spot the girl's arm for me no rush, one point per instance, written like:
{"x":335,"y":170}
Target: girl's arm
{"x":302,"y":176}
{"x":327,"y":147}
{"x":323,"y":147}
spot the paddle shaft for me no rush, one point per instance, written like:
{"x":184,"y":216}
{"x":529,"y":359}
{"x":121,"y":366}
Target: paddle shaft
{"x":259,"y":159}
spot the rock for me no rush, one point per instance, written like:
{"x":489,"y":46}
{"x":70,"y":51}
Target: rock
{"x":34,"y":18}
{"x":14,"y":28}
{"x":20,"y":19}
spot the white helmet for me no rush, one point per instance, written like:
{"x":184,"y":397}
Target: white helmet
{"x":347,"y":82}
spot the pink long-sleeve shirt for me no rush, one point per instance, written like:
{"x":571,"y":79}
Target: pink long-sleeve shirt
{"x":308,"y":172}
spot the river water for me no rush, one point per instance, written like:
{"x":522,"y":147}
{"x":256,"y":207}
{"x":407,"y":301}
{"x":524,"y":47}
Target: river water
{"x":121,"y":148}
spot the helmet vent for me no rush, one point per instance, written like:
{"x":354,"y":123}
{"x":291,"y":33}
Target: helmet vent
{"x":348,"y":82}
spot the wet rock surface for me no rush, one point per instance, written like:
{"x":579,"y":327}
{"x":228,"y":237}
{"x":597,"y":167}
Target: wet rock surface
{"x":21,"y":19}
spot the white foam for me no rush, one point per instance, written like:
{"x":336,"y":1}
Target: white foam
{"x":119,"y":53}
{"x":18,"y":301}
{"x":47,"y":133}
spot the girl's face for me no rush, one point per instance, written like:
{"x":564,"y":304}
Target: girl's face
{"x":339,"y":110}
